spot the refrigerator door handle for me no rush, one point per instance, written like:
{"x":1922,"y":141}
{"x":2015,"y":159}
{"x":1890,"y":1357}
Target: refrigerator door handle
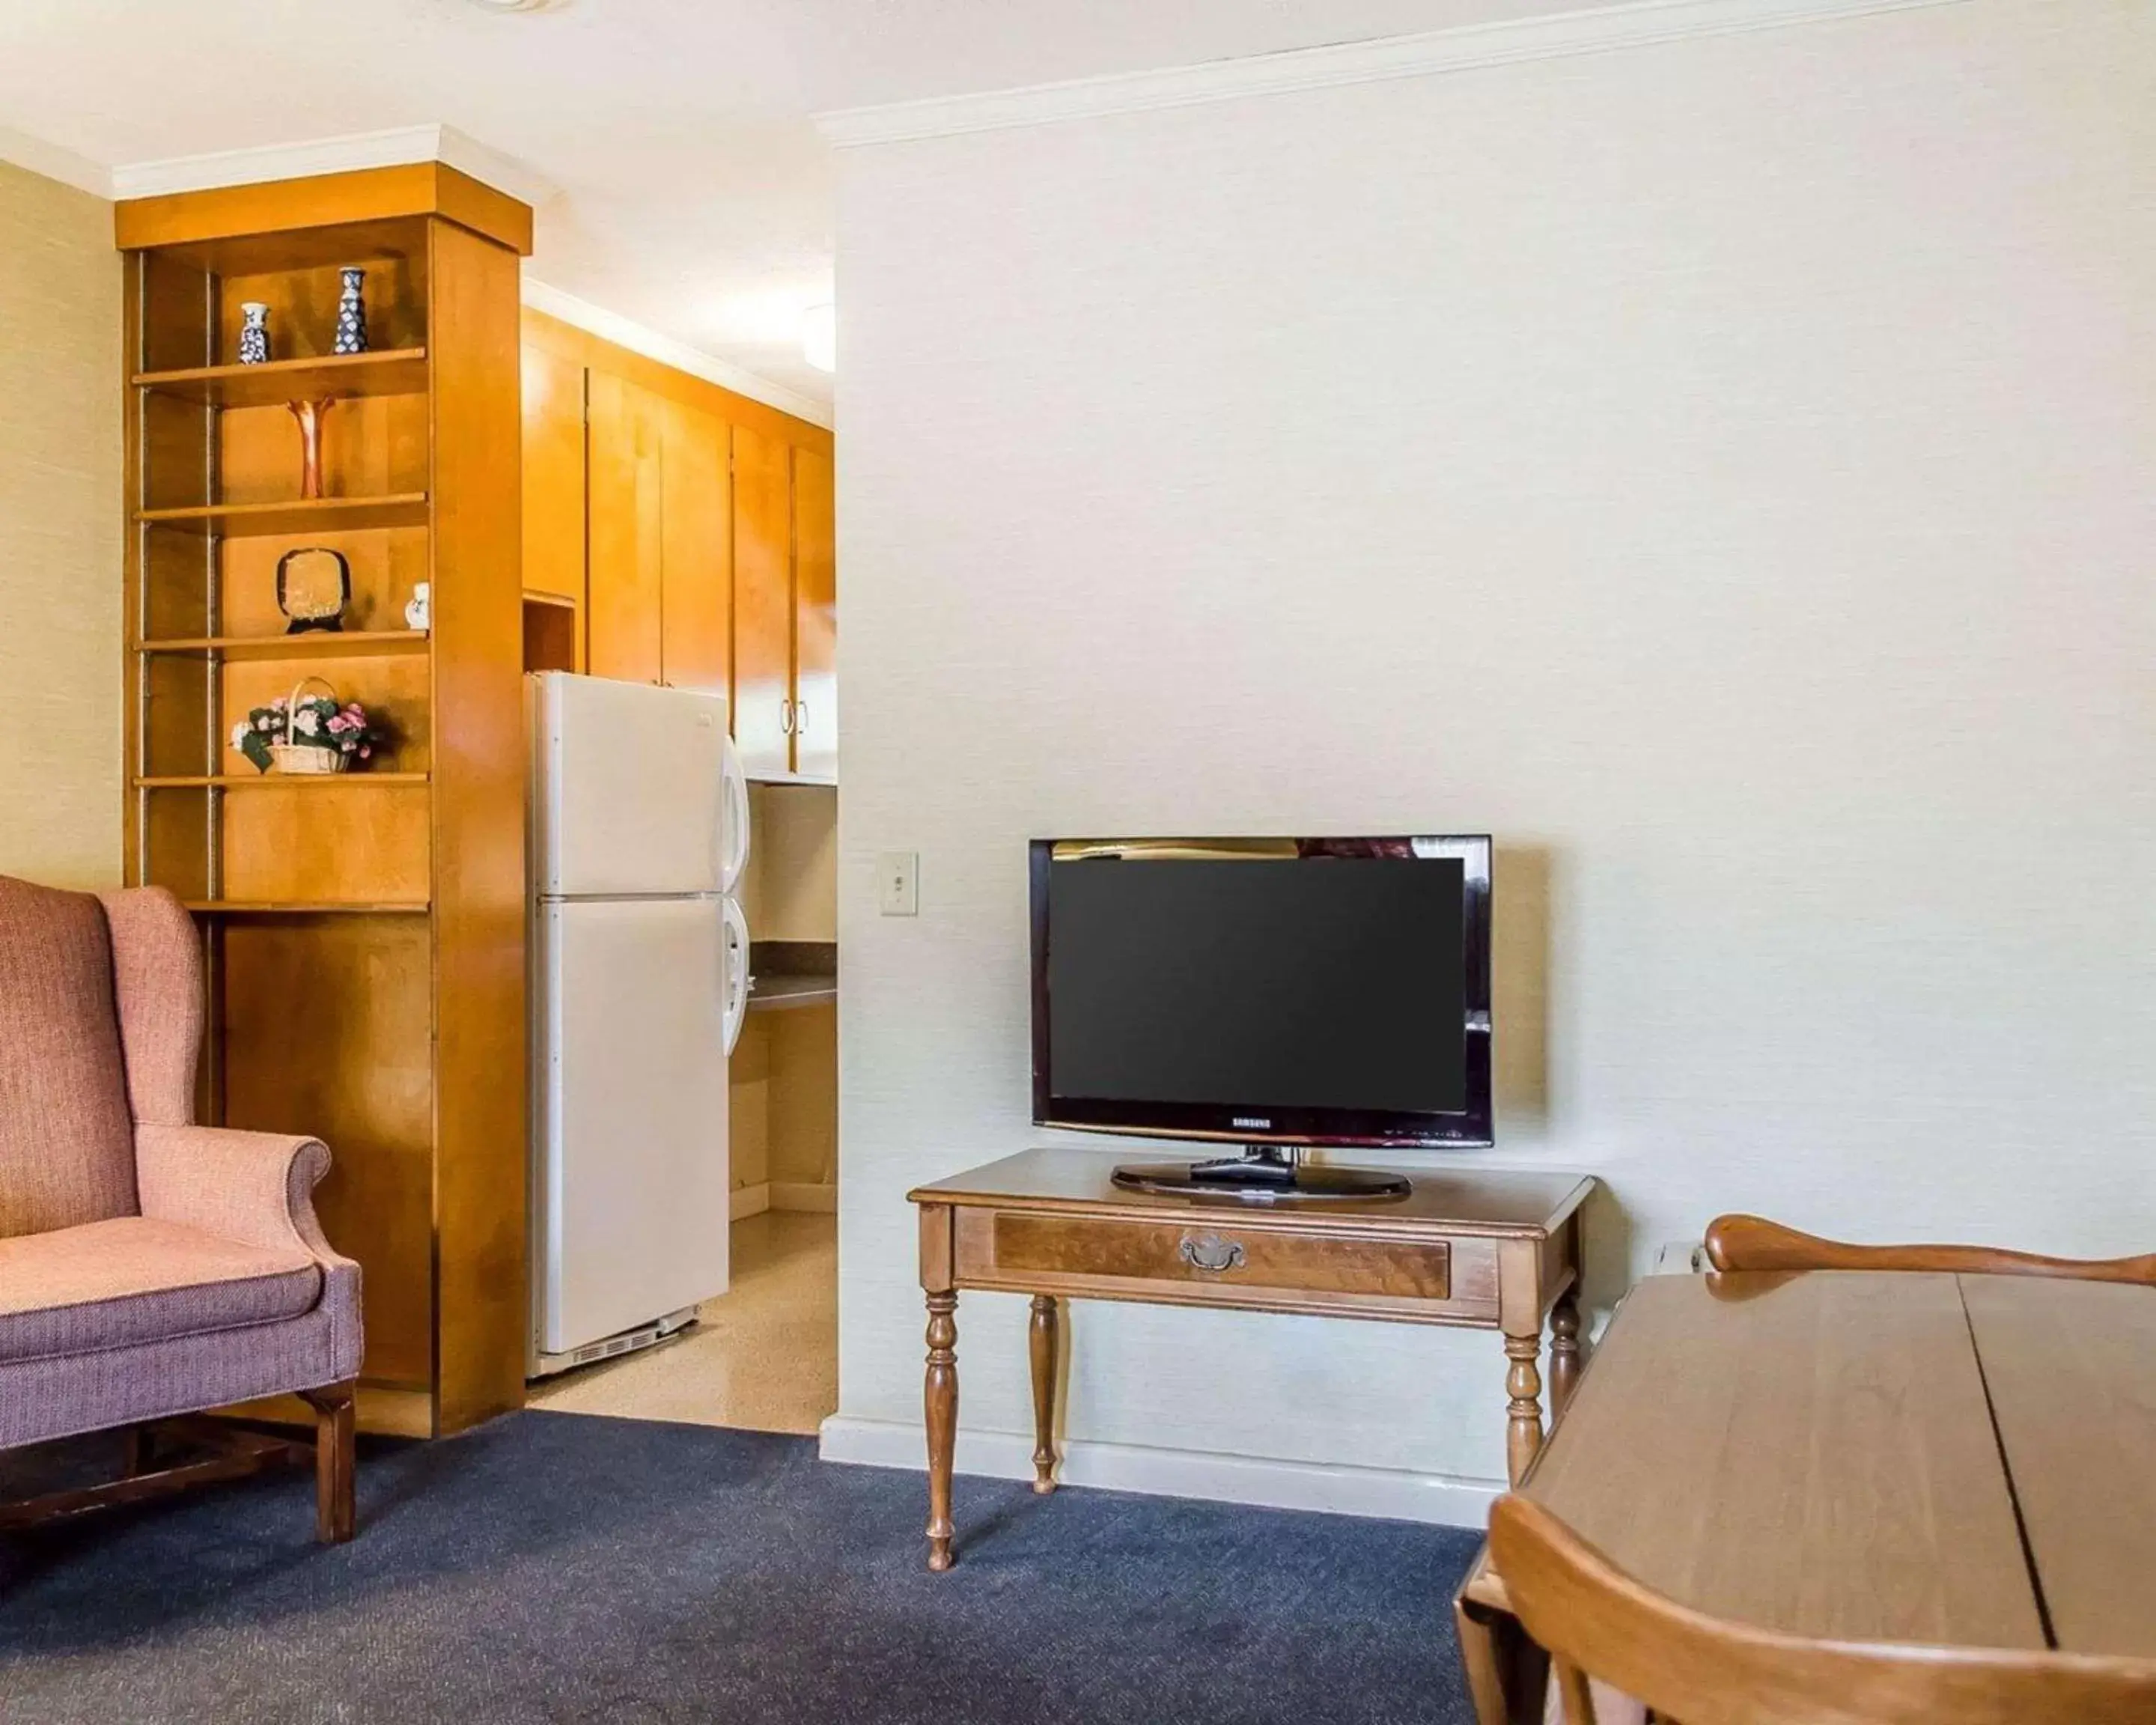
{"x":736,"y":964}
{"x":733,"y":817}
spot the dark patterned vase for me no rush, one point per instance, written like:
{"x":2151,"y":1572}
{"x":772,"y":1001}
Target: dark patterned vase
{"x":254,"y":333}
{"x":352,"y":313}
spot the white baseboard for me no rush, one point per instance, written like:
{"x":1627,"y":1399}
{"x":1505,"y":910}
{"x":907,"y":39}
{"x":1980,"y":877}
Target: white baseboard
{"x":750,"y":1200}
{"x":1393,"y":1494}
{"x":803,"y":1195}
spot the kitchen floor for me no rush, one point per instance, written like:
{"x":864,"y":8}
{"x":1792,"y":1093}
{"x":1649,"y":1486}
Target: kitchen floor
{"x":763,"y":1358}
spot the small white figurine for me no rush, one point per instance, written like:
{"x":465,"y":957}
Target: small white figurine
{"x":416,"y":611}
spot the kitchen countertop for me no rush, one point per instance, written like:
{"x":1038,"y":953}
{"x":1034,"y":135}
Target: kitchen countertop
{"x":775,"y":993}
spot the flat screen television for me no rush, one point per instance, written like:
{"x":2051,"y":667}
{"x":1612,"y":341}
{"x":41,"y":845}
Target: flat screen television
{"x":1278,"y":993}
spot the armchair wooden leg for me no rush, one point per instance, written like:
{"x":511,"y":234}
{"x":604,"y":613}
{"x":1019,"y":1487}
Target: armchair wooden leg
{"x":337,"y":1516}
{"x":140,"y":1451}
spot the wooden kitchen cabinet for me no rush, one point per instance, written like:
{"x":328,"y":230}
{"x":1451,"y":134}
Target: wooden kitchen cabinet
{"x":763,"y":603}
{"x":625,"y":525}
{"x":815,"y":618}
{"x":695,"y":553}
{"x":693,"y":527}
{"x":661,"y":563}
{"x":553,"y":475}
{"x":786,"y":692}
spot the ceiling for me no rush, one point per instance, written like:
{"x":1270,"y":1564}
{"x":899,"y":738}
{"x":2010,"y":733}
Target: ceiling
{"x":691,"y":192}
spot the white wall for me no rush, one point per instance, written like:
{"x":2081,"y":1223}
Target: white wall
{"x":1721,"y":469}
{"x":60,"y":638}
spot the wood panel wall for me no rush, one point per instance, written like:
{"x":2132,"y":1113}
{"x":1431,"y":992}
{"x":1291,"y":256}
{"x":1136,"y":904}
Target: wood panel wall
{"x":483,"y":1286}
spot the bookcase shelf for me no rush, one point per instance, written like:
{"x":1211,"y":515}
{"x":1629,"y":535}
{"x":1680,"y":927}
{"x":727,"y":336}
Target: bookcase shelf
{"x":268,"y":908}
{"x":401,"y":371}
{"x":316,"y":514}
{"x":362,"y":779}
{"x":314,"y":643}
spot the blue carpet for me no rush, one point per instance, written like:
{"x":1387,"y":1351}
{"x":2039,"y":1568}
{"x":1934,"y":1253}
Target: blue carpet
{"x":557,"y":1567}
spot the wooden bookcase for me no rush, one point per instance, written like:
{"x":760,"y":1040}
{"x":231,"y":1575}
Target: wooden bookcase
{"x":364,"y":931}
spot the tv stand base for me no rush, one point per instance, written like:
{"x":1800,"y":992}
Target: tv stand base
{"x":1485,"y":1249}
{"x":1264,"y":1173}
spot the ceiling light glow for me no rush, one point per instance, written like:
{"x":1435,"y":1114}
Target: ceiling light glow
{"x":819,"y":336}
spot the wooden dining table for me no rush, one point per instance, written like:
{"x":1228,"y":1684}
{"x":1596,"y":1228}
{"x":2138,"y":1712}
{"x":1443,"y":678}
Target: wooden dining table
{"x":1957,"y":1459}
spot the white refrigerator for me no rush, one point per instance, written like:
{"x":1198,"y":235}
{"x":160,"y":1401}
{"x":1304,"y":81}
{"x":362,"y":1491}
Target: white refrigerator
{"x":639,"y":834}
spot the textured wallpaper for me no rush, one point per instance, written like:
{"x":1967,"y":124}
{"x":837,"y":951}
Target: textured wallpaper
{"x":1720,"y":469}
{"x":60,"y":536}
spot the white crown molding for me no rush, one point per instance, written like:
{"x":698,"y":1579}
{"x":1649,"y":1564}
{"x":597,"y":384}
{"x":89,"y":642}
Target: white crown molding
{"x":625,"y":332}
{"x":393,"y":148}
{"x":54,"y":162}
{"x":1641,"y":24}
{"x":490,"y":167}
{"x":1393,"y":1494}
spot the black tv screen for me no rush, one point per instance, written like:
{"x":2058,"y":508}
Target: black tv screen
{"x":1317,"y":991}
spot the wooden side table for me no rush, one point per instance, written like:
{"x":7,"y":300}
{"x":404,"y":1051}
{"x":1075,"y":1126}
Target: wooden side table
{"x":1481,"y":1250}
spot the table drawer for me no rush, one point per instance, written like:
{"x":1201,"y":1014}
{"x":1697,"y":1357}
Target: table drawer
{"x":1220,"y":1254}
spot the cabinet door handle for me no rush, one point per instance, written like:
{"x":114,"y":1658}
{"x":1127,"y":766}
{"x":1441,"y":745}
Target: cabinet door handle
{"x":1209,"y":1251}
{"x":800,"y":718}
{"x":786,"y":718}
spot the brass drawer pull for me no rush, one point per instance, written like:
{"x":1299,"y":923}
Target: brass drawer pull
{"x":1209,"y":1251}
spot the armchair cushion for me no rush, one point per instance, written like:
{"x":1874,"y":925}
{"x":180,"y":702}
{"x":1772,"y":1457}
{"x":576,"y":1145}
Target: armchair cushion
{"x":67,"y":1143}
{"x":133,"y":1279}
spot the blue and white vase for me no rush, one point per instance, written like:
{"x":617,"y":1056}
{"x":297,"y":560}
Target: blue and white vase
{"x":352,"y":313}
{"x":254,"y":333}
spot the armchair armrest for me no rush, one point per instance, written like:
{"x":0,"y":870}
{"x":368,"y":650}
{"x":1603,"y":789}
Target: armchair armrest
{"x":248,"y":1186}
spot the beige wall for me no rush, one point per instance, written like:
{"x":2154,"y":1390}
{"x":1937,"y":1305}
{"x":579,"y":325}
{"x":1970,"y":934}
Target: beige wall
{"x":748,"y":1078}
{"x":804,"y":1095}
{"x":1720,"y":469}
{"x":60,"y":543}
{"x":792,"y":890}
{"x":785,"y":1068}
{"x":784,"y":1075}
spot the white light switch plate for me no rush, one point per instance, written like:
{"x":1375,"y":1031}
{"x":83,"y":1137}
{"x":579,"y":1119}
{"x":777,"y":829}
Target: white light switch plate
{"x":898,"y":883}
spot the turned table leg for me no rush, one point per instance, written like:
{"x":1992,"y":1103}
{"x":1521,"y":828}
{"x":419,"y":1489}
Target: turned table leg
{"x":940,"y":1398}
{"x":1523,"y":1383}
{"x":1564,"y":1350}
{"x":1040,"y":1342}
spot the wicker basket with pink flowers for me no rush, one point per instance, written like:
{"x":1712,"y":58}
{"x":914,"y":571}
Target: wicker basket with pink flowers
{"x":307,"y":733}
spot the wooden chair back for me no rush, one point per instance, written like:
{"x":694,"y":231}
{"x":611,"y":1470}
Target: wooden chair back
{"x":1592,"y":1617}
{"x":1739,"y":1242}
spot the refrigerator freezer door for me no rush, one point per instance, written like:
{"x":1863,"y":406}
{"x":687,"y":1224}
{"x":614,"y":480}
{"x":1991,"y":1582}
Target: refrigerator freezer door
{"x":628,"y":789}
{"x":633,"y":1186}
{"x":734,"y":834}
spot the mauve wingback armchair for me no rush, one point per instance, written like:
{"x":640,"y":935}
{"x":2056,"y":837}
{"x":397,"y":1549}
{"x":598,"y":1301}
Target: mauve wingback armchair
{"x":149,"y":1267}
